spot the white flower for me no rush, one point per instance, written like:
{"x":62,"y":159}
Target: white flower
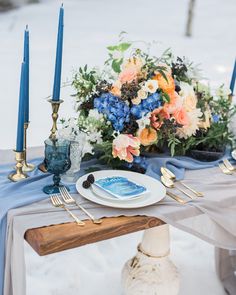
{"x":144,"y":121}
{"x":223,"y":91}
{"x":142,"y":94}
{"x":193,"y":125}
{"x":95,"y":136}
{"x":150,"y":86}
{"x":189,"y":97}
{"x":136,"y":100}
{"x":95,"y":114}
{"x":88,"y":148}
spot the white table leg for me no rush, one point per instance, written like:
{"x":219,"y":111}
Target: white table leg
{"x":151,"y":272}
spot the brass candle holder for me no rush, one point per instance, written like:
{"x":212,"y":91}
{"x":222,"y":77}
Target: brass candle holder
{"x":18,"y":174}
{"x":27,"y":167}
{"x":55,"y":108}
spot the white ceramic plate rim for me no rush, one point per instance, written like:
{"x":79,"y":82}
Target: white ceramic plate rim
{"x":156,"y":189}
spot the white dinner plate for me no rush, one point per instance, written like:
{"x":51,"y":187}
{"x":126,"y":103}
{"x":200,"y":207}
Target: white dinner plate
{"x":156,"y":189}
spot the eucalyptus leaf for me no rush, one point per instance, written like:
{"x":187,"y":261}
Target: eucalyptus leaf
{"x":116,"y":65}
{"x":123,"y":46}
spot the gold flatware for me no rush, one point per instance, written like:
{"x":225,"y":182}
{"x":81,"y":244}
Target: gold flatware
{"x":176,"y":198}
{"x":224,"y":169}
{"x":228,"y":165}
{"x":68,"y":199}
{"x":56,"y":201}
{"x":168,"y":174}
{"x":170,"y":184}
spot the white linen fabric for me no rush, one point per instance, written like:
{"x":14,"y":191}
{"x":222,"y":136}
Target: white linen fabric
{"x":212,"y":218}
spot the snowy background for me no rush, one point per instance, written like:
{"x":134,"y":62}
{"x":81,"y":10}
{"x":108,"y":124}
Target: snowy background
{"x":91,"y":25}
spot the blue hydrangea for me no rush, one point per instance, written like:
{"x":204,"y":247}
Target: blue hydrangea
{"x":215,"y":118}
{"x":139,"y":161}
{"x":116,"y":110}
{"x":147,"y":105}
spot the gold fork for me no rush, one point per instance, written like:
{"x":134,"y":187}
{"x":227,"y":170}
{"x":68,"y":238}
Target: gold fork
{"x":224,"y":169}
{"x":56,"y":201}
{"x":68,"y":199}
{"x":176,"y":198}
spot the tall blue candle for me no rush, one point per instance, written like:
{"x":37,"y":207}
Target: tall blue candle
{"x":233,"y":78}
{"x":21,"y":112}
{"x":26,"y":61}
{"x":57,"y":75}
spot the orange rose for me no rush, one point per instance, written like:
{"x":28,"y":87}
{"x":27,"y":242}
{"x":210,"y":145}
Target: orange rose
{"x":166,"y":86}
{"x":157,"y":117}
{"x":148,"y":136}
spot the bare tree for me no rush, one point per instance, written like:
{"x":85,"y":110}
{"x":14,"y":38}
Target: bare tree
{"x":5,"y":5}
{"x":191,"y":5}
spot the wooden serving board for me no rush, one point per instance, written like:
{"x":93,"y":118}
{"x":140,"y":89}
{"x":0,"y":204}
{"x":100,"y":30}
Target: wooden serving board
{"x":51,"y":239}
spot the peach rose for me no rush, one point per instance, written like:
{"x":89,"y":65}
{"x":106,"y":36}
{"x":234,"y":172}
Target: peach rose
{"x":133,"y":62}
{"x":128,"y":75}
{"x":181,"y":116}
{"x":189,"y":97}
{"x":115,"y":90}
{"x":157,"y":117}
{"x":148,"y":136}
{"x":125,"y":146}
{"x":174,"y":104}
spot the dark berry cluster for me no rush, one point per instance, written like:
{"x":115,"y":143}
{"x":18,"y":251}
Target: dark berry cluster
{"x":132,"y":126}
{"x":179,"y":69}
{"x":90,"y":180}
{"x":87,"y":105}
{"x":103,"y":87}
{"x":129,"y":91}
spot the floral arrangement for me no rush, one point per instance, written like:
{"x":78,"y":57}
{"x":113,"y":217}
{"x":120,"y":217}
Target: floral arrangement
{"x":140,"y":104}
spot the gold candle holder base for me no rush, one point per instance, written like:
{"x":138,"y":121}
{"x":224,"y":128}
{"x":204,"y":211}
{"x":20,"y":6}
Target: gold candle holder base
{"x":27,"y":167}
{"x":55,"y":108}
{"x":18,"y":175}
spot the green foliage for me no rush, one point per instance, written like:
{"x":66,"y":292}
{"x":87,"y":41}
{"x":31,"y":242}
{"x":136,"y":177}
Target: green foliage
{"x":104,"y":154}
{"x":84,"y":82}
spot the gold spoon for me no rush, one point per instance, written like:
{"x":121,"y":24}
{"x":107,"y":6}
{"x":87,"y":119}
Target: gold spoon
{"x":170,"y":184}
{"x":168,"y":174}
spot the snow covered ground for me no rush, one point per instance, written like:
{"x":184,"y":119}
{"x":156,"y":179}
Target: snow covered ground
{"x":91,"y":25}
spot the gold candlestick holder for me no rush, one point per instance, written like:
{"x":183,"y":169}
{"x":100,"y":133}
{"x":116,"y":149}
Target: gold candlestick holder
{"x":27,"y":167}
{"x":18,"y":174}
{"x":55,"y":109}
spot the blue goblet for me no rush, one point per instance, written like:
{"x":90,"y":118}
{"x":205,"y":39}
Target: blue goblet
{"x":57,"y":161}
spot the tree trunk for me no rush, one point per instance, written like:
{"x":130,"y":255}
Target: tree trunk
{"x":5,"y":5}
{"x":188,"y":31}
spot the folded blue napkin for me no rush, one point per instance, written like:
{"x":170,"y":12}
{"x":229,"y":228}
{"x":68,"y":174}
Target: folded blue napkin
{"x":13,"y":195}
{"x":177,"y":165}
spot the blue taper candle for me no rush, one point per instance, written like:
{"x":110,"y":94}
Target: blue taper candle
{"x":26,"y":61}
{"x":57,"y":75}
{"x":232,"y":82}
{"x":21,"y":112}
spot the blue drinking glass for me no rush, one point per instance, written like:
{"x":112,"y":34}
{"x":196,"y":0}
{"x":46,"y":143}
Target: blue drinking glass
{"x":57,"y":161}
